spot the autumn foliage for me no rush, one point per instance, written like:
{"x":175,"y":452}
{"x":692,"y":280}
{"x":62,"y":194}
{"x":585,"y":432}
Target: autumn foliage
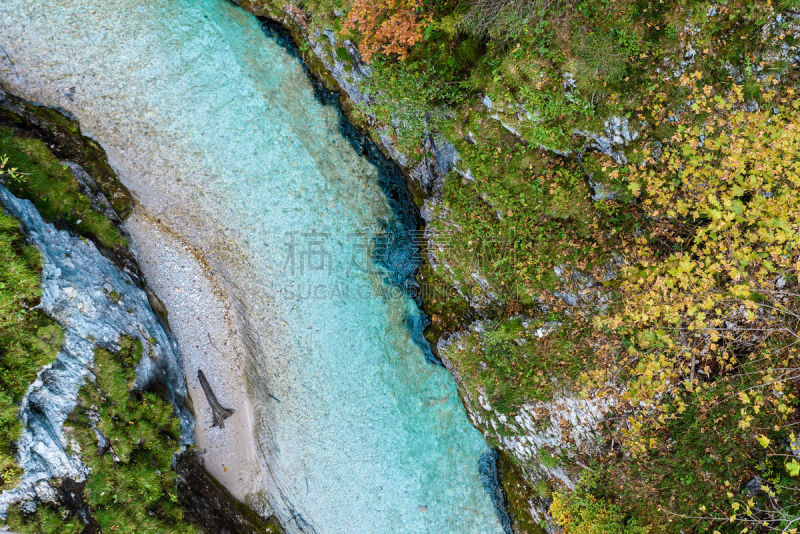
{"x":710,"y":300}
{"x":389,"y":27}
{"x":714,"y":284}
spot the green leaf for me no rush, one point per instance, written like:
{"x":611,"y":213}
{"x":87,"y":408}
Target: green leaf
{"x":793,"y":468}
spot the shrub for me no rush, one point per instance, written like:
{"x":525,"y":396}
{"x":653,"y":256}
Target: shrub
{"x":581,"y":512}
{"x":389,"y":27}
{"x":709,"y":305}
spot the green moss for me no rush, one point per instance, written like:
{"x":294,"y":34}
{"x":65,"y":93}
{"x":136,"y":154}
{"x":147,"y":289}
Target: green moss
{"x":514,"y":365}
{"x":132,"y":484}
{"x":28,"y":339}
{"x":343,"y":54}
{"x":547,"y":459}
{"x":54,"y":190}
{"x":447,"y":309}
{"x":518,"y":492}
{"x":524,"y":214}
{"x":63,"y":135}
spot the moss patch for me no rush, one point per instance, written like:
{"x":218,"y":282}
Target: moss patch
{"x":47,"y":520}
{"x":54,"y":190}
{"x":63,"y":135}
{"x":28,"y":338}
{"x":518,"y":492}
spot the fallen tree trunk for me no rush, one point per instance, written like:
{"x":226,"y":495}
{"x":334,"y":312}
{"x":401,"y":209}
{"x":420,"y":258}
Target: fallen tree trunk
{"x":218,"y":411}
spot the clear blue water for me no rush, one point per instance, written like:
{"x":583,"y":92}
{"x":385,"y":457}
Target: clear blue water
{"x":216,"y":128}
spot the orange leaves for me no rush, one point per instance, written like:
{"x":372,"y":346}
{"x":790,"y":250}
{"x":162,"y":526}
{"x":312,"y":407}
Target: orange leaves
{"x":389,"y":27}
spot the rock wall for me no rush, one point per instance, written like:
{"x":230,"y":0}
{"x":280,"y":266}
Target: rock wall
{"x":95,"y":303}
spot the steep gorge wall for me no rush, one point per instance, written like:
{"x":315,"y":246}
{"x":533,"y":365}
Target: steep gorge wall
{"x":566,"y":425}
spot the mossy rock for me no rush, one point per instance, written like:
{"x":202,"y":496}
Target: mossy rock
{"x":62,"y":134}
{"x":28,"y":338}
{"x":55,"y":191}
{"x":518,"y":492}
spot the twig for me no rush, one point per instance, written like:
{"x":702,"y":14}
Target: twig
{"x":10,"y":62}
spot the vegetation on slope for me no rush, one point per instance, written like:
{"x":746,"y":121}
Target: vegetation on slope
{"x":662,"y":275}
{"x":708,"y":315}
{"x":28,"y":338}
{"x":52,"y":187}
{"x":62,"y":135}
{"x":132,"y":484}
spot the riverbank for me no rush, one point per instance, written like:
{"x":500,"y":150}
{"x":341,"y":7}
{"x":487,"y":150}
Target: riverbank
{"x":345,"y":407}
{"x":206,"y":327}
{"x":80,"y":190}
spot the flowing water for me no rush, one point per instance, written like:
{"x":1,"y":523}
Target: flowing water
{"x":216,"y":128}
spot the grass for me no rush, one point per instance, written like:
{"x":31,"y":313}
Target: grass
{"x":54,"y":190}
{"x":28,"y":338}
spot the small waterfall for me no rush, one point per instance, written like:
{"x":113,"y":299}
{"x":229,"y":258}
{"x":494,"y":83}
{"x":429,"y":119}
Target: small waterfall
{"x":95,"y":303}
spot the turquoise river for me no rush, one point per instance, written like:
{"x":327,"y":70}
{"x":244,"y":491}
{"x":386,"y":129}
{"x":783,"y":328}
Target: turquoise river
{"x":217,"y":130}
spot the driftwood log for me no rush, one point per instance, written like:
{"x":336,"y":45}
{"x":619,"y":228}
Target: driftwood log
{"x":218,"y":411}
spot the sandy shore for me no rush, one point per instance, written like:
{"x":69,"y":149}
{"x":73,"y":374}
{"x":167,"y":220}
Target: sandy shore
{"x":201,"y":319}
